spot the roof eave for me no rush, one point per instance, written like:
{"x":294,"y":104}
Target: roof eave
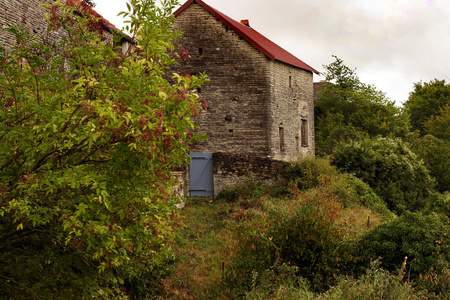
{"x":242,"y":34}
{"x":309,"y":69}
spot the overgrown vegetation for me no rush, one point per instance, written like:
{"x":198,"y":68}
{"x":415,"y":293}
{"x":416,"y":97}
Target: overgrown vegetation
{"x":89,"y":139}
{"x":349,"y":109}
{"x":326,"y":236}
{"x":391,"y":169}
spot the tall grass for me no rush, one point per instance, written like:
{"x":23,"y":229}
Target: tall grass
{"x":300,"y":241}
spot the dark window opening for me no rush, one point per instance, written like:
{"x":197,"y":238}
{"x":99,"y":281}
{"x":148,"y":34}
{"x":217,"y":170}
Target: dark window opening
{"x":297,"y":146}
{"x":200,"y":51}
{"x":290,"y":81}
{"x":304,"y":132}
{"x":282,"y":146}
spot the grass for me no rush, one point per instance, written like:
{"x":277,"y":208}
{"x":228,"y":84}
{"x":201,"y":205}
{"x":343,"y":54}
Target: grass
{"x":208,"y":242}
{"x":204,"y":250}
{"x":209,"y":247}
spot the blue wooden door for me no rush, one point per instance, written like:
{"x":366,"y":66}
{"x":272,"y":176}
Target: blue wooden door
{"x":201,"y":175}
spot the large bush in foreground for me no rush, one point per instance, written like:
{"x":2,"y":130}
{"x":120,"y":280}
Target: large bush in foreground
{"x":312,"y":233}
{"x":88,"y":140}
{"x":395,"y":173}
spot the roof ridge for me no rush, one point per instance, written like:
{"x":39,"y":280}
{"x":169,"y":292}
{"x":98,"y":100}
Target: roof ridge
{"x":266,"y":46}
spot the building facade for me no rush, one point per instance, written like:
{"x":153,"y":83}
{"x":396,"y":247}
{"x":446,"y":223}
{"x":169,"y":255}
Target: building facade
{"x":31,"y":15}
{"x":260,"y":98}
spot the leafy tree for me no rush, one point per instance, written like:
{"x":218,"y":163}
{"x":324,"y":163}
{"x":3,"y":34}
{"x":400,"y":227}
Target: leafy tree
{"x":439,"y":125}
{"x":426,"y":100}
{"x":88,"y":141}
{"x":391,"y":169}
{"x":348,"y":109}
{"x":435,"y":154}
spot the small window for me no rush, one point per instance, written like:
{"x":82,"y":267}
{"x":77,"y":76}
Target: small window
{"x":290,"y":81}
{"x":304,"y":132}
{"x":200,"y":51}
{"x":282,"y":146}
{"x":297,"y":143}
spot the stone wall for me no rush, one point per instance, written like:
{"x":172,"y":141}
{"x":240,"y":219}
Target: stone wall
{"x":28,"y":13}
{"x":250,"y":97}
{"x":292,"y":103}
{"x":31,"y":15}
{"x":233,"y":169}
{"x":238,"y":94}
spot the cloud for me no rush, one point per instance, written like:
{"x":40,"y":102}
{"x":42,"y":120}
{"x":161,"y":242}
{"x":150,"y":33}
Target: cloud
{"x":392,"y":43}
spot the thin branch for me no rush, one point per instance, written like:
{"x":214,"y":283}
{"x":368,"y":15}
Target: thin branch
{"x":11,"y":160}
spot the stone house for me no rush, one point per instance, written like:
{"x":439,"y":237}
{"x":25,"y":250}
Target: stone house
{"x":260,"y":100}
{"x":31,"y":15}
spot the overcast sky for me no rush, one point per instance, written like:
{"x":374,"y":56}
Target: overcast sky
{"x":391,"y":43}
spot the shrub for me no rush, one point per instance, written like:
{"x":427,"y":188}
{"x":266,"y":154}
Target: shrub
{"x":376,"y":283}
{"x":310,"y":172}
{"x":280,"y":281}
{"x":305,"y":232}
{"x":395,"y":173}
{"x":435,"y":154}
{"x":367,"y":196}
{"x":422,"y":238}
{"x":237,"y":192}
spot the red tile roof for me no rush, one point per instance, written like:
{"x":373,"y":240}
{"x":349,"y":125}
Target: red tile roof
{"x":266,"y":46}
{"x":102,"y":21}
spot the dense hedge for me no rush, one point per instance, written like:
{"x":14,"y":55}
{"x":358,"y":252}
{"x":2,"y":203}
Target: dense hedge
{"x":391,"y":169}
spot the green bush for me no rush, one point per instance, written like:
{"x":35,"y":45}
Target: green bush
{"x":395,"y":173}
{"x":421,"y":238}
{"x":435,"y":154}
{"x":280,"y":281}
{"x":440,"y":206}
{"x":303,"y":232}
{"x":376,"y":283}
{"x":310,"y":172}
{"x":367,"y":196}
{"x":238,"y":192}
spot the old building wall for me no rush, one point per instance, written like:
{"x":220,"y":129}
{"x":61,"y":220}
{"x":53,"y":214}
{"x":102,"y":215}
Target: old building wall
{"x":233,"y":169}
{"x":238,"y":94}
{"x":291,"y":105}
{"x":31,"y":15}
{"x":28,"y":13}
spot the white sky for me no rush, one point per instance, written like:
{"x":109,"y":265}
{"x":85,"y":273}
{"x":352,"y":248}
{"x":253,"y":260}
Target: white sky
{"x":391,"y":43}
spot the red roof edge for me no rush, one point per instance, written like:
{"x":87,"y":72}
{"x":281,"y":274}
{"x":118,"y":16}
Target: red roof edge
{"x":103,"y":22}
{"x":269,"y":48}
